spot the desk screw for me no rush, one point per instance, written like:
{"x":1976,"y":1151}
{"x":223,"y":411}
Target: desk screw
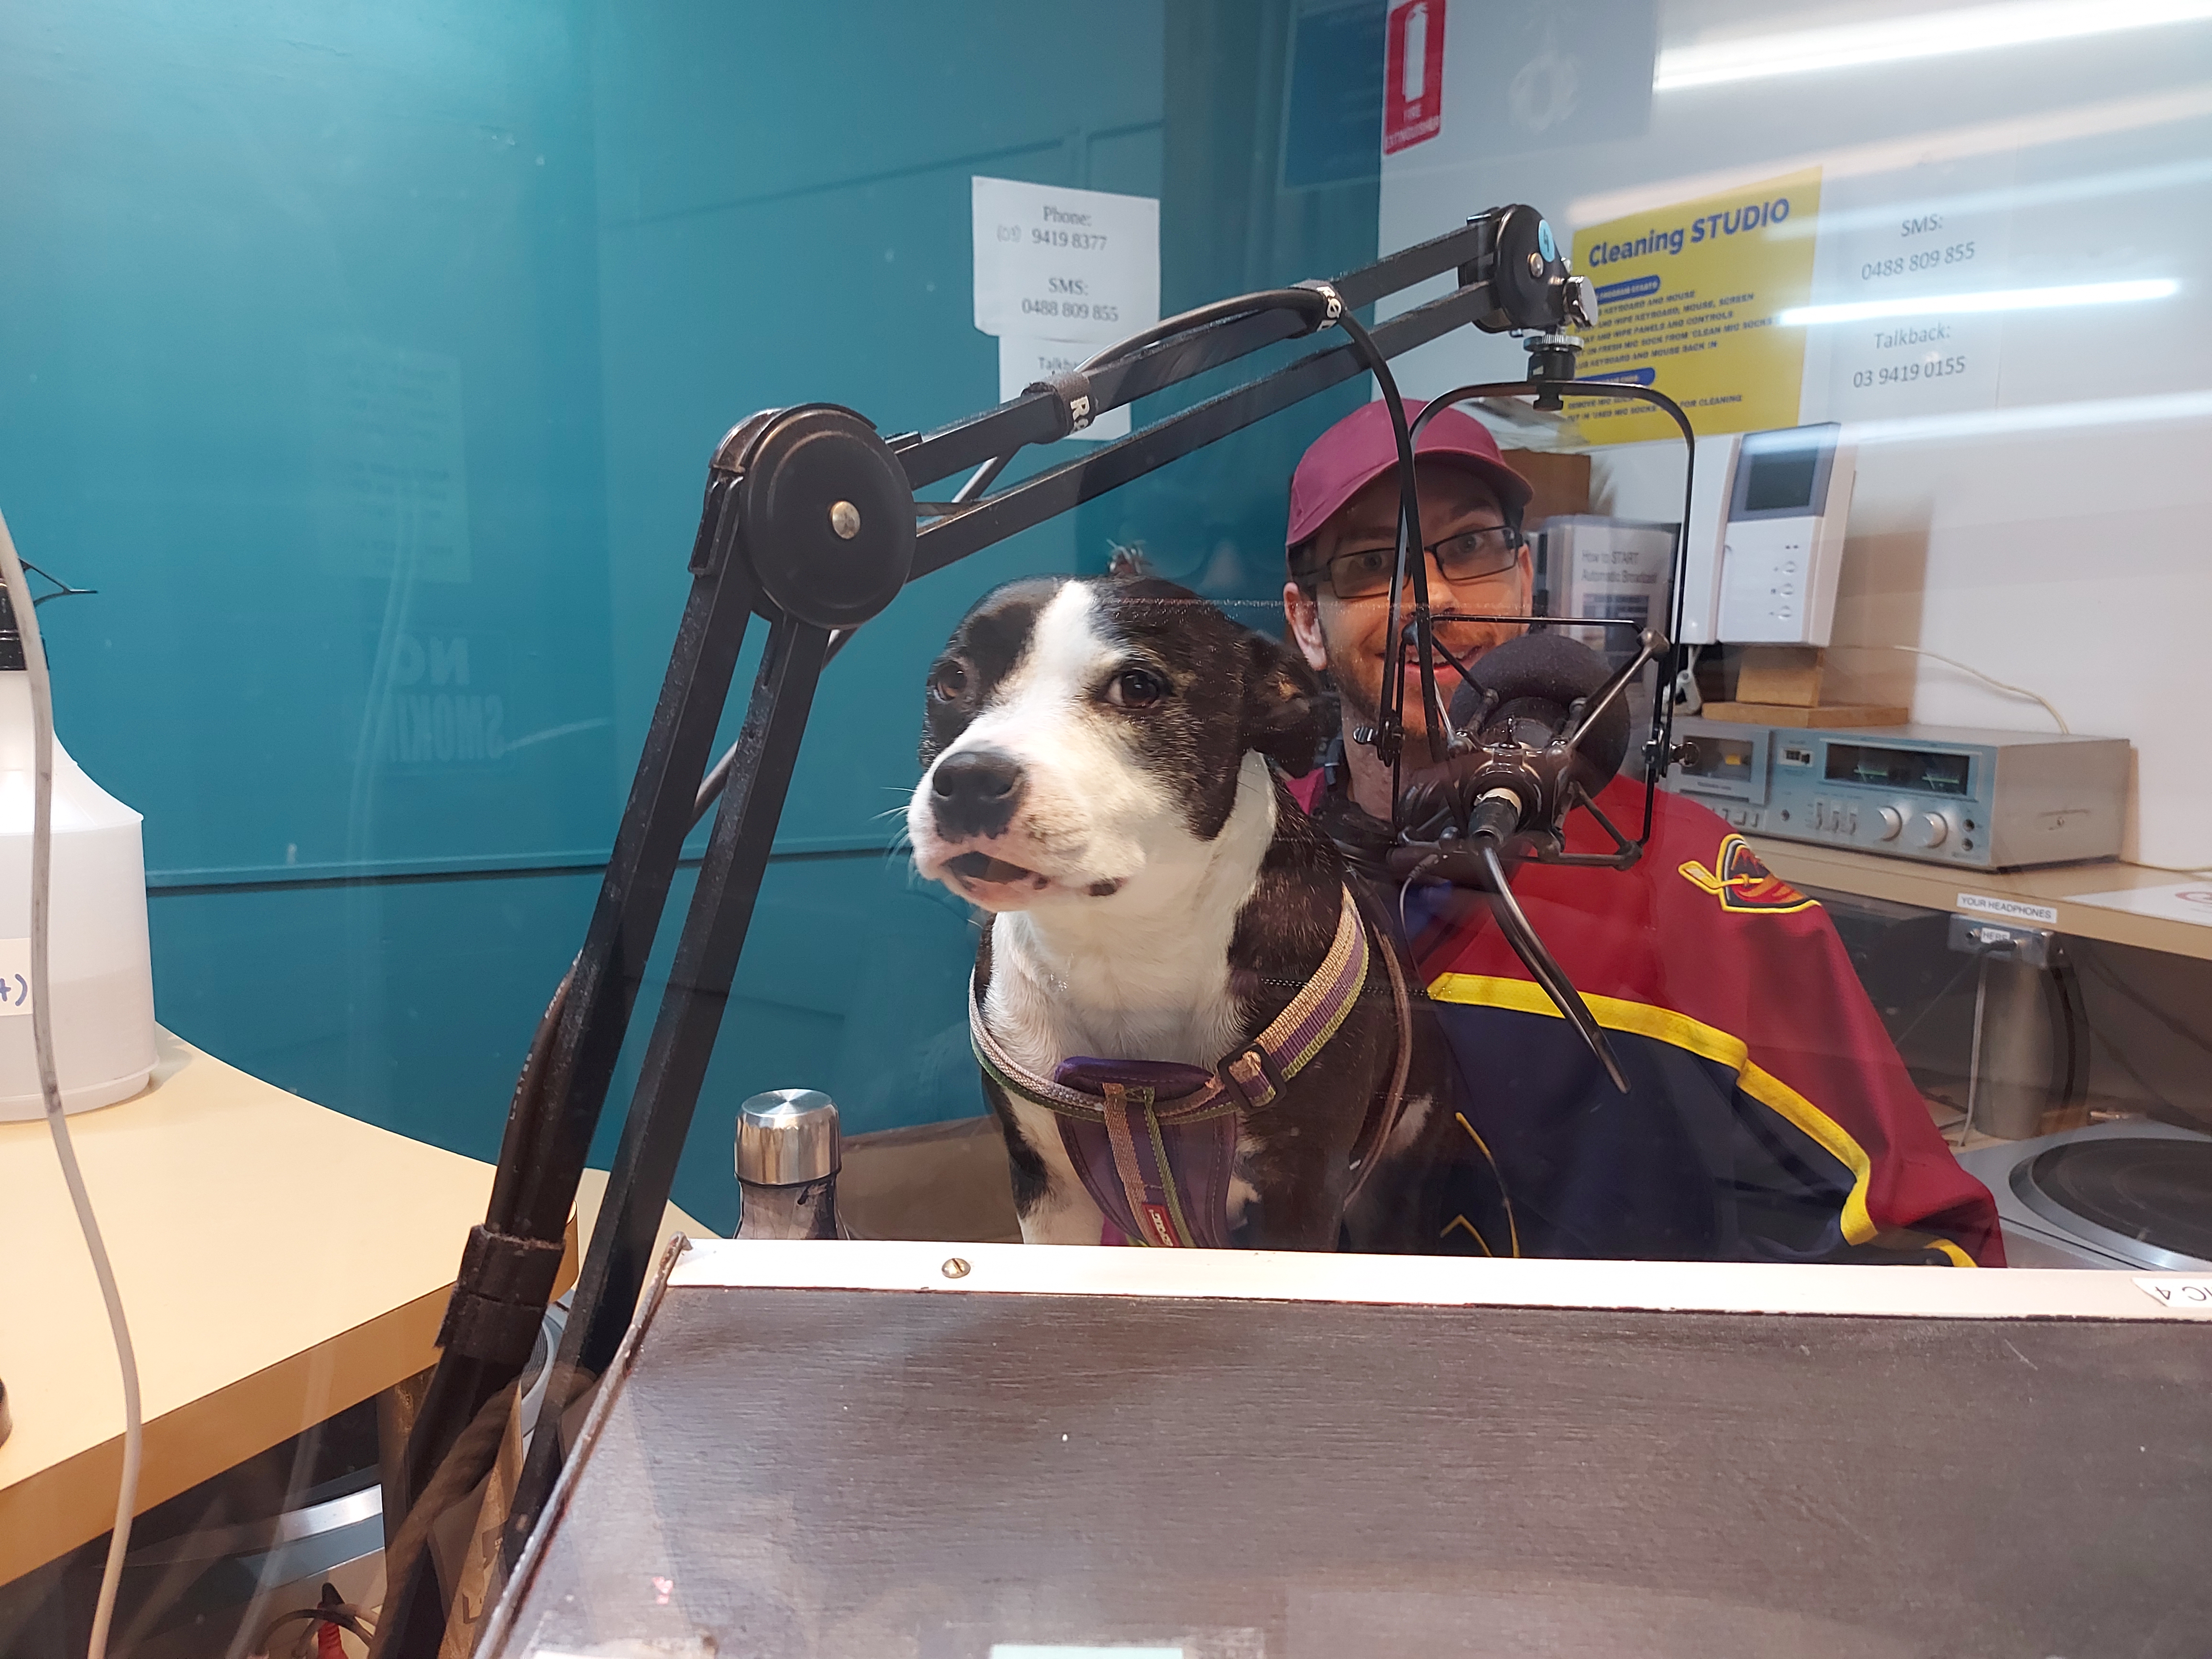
{"x":956,"y":1268}
{"x":845,"y":519}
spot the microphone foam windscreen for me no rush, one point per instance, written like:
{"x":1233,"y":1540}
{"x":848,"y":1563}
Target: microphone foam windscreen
{"x":1548,"y":669}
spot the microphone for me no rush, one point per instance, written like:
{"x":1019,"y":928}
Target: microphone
{"x":1529,"y":749}
{"x":1525,"y":757}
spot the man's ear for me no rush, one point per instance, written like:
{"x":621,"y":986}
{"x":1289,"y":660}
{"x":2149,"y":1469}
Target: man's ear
{"x":1286,"y":715}
{"x":1302,"y":610}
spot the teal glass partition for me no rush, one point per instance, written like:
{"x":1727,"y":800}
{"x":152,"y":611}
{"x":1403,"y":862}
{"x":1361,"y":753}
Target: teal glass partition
{"x":366,"y":364}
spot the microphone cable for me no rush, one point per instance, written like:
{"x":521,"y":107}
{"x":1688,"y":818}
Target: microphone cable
{"x":1411,"y":559}
{"x":42,"y":1039}
{"x":1304,"y":299}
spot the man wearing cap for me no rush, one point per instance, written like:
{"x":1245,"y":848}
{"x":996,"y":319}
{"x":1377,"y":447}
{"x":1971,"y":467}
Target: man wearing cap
{"x":1769,"y":1116}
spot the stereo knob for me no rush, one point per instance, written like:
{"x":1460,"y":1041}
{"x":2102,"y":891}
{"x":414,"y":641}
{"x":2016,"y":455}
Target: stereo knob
{"x":1930,"y":830}
{"x":1892,"y":823}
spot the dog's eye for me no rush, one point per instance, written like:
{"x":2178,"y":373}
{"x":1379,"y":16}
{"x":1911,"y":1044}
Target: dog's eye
{"x":1135,"y":687}
{"x":947,"y":682}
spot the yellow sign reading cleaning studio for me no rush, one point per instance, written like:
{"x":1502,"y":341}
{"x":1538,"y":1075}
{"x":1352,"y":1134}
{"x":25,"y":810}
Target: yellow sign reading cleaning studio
{"x":1687,"y":298}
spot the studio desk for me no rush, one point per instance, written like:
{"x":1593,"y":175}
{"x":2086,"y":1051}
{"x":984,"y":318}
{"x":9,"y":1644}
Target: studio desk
{"x":848,"y":1451}
{"x":278,"y":1262}
{"x":2051,"y":887}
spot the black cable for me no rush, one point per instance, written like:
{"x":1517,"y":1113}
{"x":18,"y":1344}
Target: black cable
{"x":1412,"y":556}
{"x":1391,"y":718}
{"x":62,"y":589}
{"x":1186,"y":322}
{"x":470,"y":1457}
{"x":2069,"y":1081}
{"x":1245,"y":305}
{"x":1545,"y":972}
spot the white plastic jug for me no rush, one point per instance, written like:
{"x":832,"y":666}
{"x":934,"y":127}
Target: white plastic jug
{"x":100,"y":966}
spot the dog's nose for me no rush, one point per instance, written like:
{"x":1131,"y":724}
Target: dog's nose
{"x":975,"y":792}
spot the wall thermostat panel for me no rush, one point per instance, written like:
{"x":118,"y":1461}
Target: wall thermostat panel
{"x":1782,"y":549}
{"x":1955,"y":795}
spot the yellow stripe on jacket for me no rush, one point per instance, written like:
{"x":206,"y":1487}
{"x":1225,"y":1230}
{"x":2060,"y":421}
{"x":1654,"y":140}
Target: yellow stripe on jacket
{"x":1707,"y":1042}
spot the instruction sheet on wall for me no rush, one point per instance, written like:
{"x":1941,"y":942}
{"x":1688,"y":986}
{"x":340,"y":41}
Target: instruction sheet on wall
{"x":1907,"y":259}
{"x":1691,"y":301}
{"x":1059,"y":273}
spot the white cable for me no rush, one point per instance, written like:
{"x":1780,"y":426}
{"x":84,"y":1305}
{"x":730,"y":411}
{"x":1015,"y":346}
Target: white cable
{"x":1986,"y":679}
{"x":42,"y":1038}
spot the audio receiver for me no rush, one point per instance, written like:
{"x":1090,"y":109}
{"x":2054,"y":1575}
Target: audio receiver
{"x":1943,"y":794}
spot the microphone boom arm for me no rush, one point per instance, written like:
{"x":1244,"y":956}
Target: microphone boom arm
{"x":810,"y":523}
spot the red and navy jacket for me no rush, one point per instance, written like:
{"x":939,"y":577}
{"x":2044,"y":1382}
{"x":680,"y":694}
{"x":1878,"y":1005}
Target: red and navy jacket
{"x":1769,"y":1116}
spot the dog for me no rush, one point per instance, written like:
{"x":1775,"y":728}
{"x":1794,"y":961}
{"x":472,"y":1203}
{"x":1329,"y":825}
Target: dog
{"x":1100,"y":774}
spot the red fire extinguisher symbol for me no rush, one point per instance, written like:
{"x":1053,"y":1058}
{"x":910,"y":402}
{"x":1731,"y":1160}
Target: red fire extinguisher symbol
{"x":1413,"y":75}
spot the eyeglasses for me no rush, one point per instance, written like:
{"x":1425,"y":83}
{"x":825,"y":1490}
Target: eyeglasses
{"x":1472,"y":556}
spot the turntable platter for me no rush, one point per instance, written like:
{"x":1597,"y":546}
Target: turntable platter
{"x":2154,"y":1190}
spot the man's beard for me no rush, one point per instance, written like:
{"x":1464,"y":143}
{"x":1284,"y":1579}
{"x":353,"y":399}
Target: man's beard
{"x":1360,"y":695}
{"x":1359,"y":682}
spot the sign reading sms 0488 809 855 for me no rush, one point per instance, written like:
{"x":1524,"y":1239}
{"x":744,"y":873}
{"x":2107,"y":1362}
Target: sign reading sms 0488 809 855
{"x":1056,"y":264}
{"x":1059,"y":272}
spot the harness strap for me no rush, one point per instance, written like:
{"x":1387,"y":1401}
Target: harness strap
{"x":1375,"y":1134}
{"x":1159,"y":1164}
{"x":1253,"y":1077}
{"x":1146,"y":1158}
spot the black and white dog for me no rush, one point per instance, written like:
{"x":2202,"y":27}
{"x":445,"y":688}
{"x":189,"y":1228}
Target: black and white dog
{"x":1097,"y":774}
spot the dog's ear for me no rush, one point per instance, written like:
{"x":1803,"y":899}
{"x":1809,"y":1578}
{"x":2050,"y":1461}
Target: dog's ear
{"x":1286,"y":713}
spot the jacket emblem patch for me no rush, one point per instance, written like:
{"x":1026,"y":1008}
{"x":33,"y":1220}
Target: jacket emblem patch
{"x":1741,"y":882}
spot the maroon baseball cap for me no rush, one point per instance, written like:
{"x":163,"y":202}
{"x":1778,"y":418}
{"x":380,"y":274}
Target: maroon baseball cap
{"x":1361,"y":447}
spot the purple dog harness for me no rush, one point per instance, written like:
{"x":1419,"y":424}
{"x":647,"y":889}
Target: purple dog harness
{"x":1154,"y":1142}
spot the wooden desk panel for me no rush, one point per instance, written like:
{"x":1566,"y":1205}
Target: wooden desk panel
{"x":1933,"y":887}
{"x":279,"y":1262}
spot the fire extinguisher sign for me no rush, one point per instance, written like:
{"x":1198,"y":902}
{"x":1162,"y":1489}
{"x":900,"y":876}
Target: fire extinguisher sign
{"x":1413,"y":75}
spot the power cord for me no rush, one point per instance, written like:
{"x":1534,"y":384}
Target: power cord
{"x":1972,"y":673}
{"x":42,"y":1038}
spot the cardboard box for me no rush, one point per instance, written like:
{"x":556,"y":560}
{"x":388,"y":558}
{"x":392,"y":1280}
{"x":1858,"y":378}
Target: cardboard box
{"x":1562,"y":483}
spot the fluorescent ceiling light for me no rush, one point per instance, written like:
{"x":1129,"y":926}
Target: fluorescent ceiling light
{"x":2071,"y":420}
{"x":2044,"y":127}
{"x":1930,"y":34}
{"x":2007,"y":298}
{"x":2049,"y":192}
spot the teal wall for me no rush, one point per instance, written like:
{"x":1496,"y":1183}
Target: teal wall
{"x":367,"y":361}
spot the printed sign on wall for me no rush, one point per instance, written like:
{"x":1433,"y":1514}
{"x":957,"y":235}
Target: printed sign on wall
{"x":1688,"y":299}
{"x":1062,"y":267}
{"x":1898,"y":251}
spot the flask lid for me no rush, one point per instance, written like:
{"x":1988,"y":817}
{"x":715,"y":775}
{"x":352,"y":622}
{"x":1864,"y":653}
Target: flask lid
{"x":785,"y":1137}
